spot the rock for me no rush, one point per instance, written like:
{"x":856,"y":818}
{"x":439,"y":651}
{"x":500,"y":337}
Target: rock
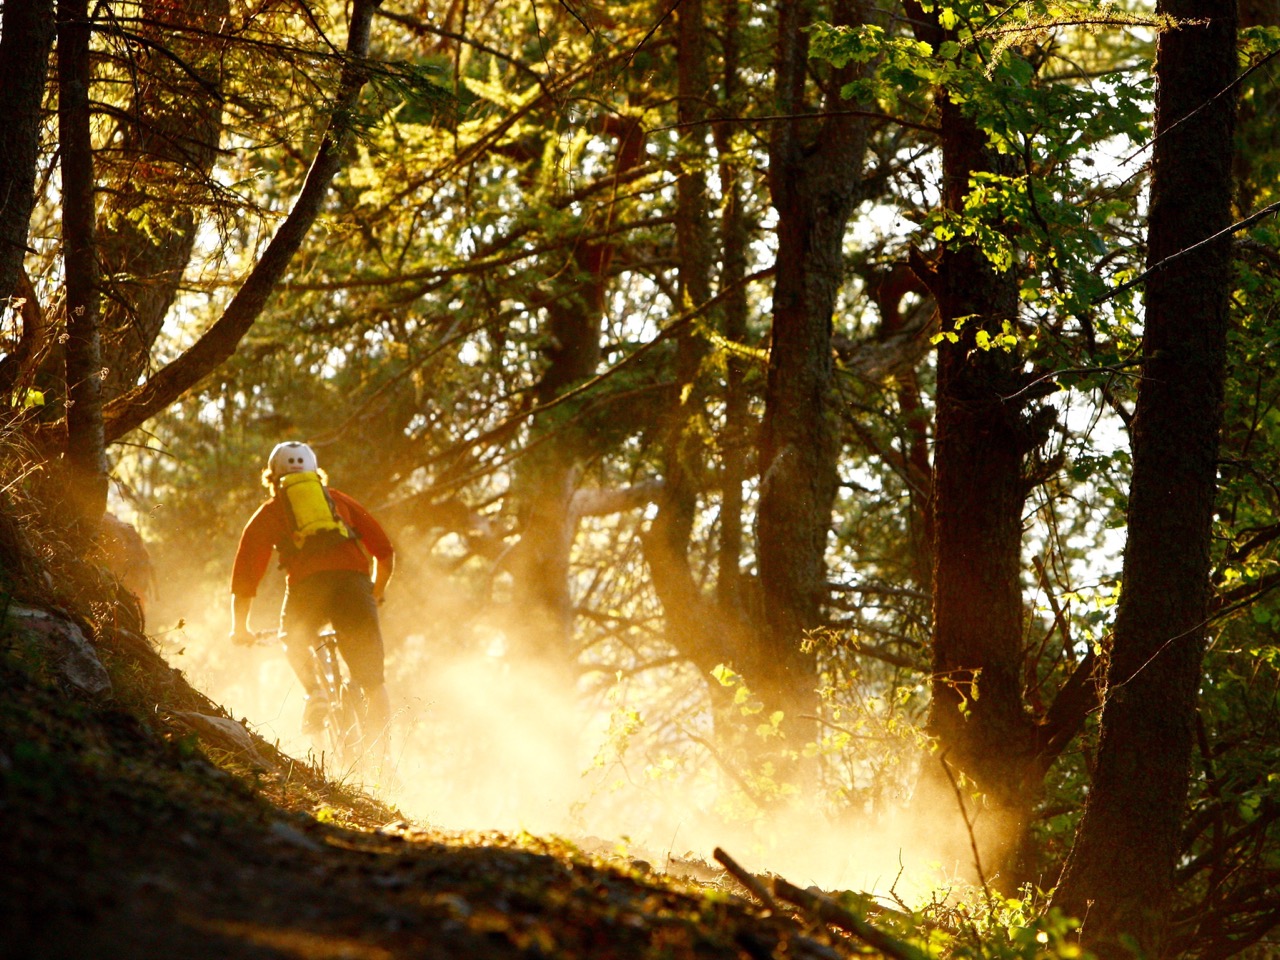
{"x":70,"y":652}
{"x":224,"y":733}
{"x":294,"y":837}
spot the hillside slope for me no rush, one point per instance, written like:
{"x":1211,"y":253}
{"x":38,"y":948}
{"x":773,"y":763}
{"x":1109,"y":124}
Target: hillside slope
{"x":136,"y":825}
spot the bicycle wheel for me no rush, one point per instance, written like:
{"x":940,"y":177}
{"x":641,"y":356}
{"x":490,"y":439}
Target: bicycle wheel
{"x":330,"y":737}
{"x":335,"y":741}
{"x":326,"y":668}
{"x":348,"y":729}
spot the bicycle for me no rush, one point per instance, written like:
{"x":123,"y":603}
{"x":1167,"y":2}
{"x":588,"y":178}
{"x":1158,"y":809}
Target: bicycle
{"x":344,"y":716}
{"x":341,"y":732}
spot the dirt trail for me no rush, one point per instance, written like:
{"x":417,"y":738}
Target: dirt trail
{"x":131,"y":832}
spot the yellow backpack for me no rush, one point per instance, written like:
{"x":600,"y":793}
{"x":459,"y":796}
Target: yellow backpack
{"x":314,"y":517}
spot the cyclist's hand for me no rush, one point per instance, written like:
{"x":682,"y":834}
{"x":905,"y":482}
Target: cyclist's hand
{"x":243,"y":637}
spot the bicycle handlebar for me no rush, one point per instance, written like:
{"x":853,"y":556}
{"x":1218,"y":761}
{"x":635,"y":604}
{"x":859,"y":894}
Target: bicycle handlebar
{"x":265,"y":638}
{"x":274,"y":638}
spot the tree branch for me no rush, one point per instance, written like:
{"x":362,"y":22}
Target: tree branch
{"x":1236,"y":227}
{"x":219,"y":342}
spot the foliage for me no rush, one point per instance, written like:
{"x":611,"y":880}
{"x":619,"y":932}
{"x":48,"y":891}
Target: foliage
{"x":487,"y":199}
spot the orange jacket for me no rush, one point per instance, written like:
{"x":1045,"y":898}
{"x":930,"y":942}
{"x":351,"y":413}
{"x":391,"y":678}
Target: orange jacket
{"x":269,"y":527}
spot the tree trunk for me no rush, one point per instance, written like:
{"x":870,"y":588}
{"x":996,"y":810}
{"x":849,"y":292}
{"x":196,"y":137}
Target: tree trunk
{"x":705,"y":629}
{"x":540,"y":561}
{"x":86,"y":458}
{"x":978,"y":495}
{"x":27,"y":38}
{"x":735,"y":440}
{"x":1119,"y":877}
{"x":981,"y":440}
{"x":815,"y":180}
{"x":667,"y":540}
{"x":887,"y":289}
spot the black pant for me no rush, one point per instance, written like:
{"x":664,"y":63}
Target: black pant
{"x":343,"y":598}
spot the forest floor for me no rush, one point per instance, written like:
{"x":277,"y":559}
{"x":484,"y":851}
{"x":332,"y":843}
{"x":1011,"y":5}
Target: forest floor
{"x":132,"y":828}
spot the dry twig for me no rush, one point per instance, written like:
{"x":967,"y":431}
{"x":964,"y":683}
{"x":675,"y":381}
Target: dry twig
{"x":746,"y":878}
{"x":830,"y":912}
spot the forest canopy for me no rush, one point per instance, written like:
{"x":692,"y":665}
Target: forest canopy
{"x":813,"y":420}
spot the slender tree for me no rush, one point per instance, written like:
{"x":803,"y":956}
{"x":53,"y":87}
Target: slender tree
{"x":735,"y":441}
{"x":27,"y":38}
{"x":86,"y":443}
{"x":575,"y":312}
{"x":986,"y":426}
{"x":980,"y":440}
{"x":705,"y":626}
{"x":667,"y":540}
{"x":683,"y":457}
{"x":817,"y":176}
{"x":1119,"y":877}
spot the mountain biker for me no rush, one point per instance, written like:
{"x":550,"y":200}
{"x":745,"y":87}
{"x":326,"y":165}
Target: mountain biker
{"x":327,"y":581}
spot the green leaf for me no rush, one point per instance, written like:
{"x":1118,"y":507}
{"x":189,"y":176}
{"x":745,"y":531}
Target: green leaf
{"x":1020,"y":71}
{"x":724,"y":675}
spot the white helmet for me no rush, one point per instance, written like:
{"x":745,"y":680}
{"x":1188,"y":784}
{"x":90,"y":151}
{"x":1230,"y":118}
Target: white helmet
{"x":291,"y":457}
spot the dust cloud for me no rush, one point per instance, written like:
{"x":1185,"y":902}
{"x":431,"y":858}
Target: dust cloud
{"x":477,"y":744}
